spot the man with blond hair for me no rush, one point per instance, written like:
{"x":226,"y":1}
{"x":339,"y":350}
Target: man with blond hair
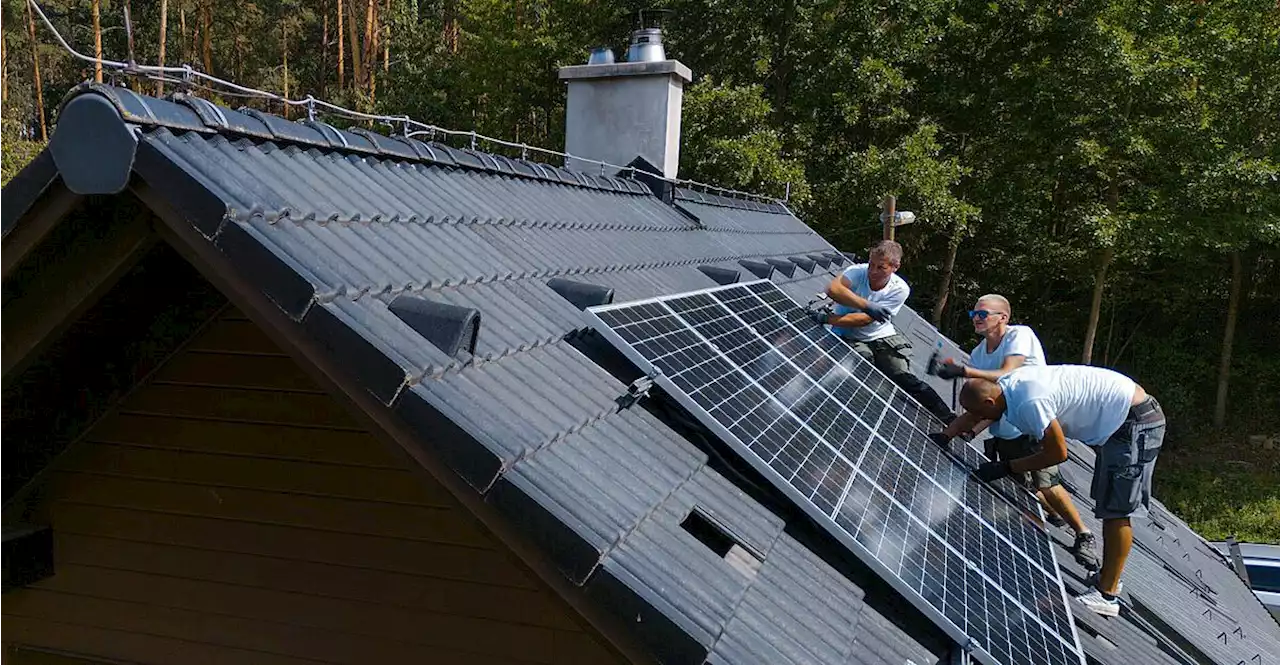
{"x":867,"y":296}
{"x":1005,"y":348}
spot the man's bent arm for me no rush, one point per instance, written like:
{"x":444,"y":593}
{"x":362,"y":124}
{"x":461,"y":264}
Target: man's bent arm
{"x":1053,"y":450}
{"x":840,"y":292}
{"x":1010,"y":363}
{"x":963,"y":423}
{"x":850,"y":320}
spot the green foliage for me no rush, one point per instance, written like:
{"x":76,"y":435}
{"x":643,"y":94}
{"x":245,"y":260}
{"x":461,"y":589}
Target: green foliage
{"x":18,"y":149}
{"x":1032,"y":134}
{"x":728,"y":142}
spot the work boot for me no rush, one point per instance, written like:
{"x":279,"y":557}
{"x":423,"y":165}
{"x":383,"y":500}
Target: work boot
{"x":1085,"y":550}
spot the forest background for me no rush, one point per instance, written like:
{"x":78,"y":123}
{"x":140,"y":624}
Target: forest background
{"x":1112,"y":166}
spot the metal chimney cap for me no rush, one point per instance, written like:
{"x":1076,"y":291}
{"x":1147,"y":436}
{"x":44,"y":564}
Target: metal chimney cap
{"x":601,"y":55}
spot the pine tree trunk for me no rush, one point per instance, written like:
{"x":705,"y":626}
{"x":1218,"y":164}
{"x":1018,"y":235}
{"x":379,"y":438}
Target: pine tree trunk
{"x":1095,"y":307}
{"x":97,"y":41}
{"x":944,"y":288}
{"x":187,"y":49}
{"x":452,"y":29}
{"x":1228,"y":340}
{"x":35,"y":70}
{"x":164,"y":26}
{"x":386,"y":38}
{"x":4,"y":74}
{"x":206,"y":35}
{"x":342,"y":74}
{"x":1100,"y":277}
{"x":284,"y":56}
{"x":353,"y":40}
{"x":371,"y":44}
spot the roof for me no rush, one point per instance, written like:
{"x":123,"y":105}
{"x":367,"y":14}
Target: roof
{"x":328,"y":227}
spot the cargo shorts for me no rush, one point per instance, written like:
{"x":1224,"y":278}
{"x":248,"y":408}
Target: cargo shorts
{"x":1012,"y":449}
{"x":1125,"y":462}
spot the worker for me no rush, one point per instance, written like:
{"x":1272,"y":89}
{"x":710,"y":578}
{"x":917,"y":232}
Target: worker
{"x":1102,"y":408}
{"x":867,"y":296}
{"x":1003,"y":349}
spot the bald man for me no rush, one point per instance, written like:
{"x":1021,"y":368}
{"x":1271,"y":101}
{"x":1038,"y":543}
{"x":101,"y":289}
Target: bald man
{"x":1005,"y":348}
{"x":1105,"y":410}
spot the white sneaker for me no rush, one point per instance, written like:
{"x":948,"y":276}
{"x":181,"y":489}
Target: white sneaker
{"x":1092,"y":582}
{"x":1094,"y":600}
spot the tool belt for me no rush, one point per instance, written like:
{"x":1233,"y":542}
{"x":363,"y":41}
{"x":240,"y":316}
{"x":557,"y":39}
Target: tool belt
{"x":1146,"y":411}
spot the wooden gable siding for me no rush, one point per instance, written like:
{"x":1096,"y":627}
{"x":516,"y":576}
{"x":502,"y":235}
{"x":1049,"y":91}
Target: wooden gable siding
{"x":230,"y":511}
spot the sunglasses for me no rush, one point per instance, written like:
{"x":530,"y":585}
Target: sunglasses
{"x":982,"y":314}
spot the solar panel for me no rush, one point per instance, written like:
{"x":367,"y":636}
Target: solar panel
{"x":848,"y":446}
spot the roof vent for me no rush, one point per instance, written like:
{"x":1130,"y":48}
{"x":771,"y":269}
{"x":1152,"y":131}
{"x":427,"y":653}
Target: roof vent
{"x":821,"y":259}
{"x":581,"y":294}
{"x":837,"y":258}
{"x":784,"y":266}
{"x":804,"y":262}
{"x":851,"y":256}
{"x":722,"y":276}
{"x":758,"y":268}
{"x":449,"y":327}
{"x":646,"y":41}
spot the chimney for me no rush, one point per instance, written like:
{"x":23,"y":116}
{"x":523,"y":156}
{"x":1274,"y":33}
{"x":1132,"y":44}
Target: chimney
{"x":618,"y":111}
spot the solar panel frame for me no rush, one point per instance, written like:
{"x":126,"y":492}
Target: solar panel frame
{"x":690,"y":337}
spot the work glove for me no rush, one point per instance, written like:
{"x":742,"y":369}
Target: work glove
{"x":949,"y":370}
{"x":820,"y":315}
{"x":992,"y":471}
{"x":939,"y":439}
{"x":877,"y":312}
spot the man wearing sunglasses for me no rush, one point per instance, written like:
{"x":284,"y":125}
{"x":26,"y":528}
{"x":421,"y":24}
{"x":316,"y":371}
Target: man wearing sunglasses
{"x":1003,"y":349}
{"x":867,"y":296}
{"x":1101,"y":408}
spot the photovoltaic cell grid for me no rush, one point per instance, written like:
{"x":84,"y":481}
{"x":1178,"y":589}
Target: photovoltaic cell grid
{"x":845,"y":442}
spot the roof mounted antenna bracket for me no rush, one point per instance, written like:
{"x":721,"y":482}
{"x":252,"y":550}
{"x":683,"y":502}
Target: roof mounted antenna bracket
{"x":311,"y":108}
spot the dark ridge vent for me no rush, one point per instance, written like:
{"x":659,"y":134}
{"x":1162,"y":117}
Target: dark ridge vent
{"x":784,"y":266}
{"x":758,"y":268}
{"x":722,"y":276}
{"x":450,"y":327}
{"x":581,"y":294}
{"x":805,"y":263}
{"x":646,"y":172}
{"x":853,"y":257}
{"x":822,"y":260}
{"x":837,"y":258}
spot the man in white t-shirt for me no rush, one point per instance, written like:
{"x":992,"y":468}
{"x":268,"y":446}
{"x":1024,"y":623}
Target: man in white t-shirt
{"x":1003,"y":349}
{"x":1103,"y":409}
{"x":867,"y":296}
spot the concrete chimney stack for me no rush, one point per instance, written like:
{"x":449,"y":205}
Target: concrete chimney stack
{"x":618,"y":111}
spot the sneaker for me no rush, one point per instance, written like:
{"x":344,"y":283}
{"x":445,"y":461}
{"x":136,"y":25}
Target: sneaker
{"x":1092,"y":582}
{"x":1094,"y":600}
{"x":1085,"y":550}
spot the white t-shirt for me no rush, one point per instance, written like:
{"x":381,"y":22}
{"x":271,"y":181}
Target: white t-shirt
{"x":1090,"y":403}
{"x":1017,"y":341}
{"x":892,"y":296}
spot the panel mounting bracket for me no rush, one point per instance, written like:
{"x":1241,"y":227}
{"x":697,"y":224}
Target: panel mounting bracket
{"x":636,"y":391}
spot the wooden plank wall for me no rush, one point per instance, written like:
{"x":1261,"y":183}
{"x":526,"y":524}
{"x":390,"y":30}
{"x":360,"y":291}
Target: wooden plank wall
{"x":230,"y":511}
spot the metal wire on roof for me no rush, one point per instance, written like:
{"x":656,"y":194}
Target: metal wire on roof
{"x":409,"y":128}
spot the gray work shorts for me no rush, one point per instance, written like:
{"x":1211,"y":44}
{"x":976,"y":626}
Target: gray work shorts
{"x":1125,"y":462}
{"x":1012,"y":449}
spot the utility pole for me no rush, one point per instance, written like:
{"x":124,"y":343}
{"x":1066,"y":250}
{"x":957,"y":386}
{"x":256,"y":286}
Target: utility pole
{"x":889,"y":206}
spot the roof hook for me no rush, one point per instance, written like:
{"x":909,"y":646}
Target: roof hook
{"x":638,"y":390}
